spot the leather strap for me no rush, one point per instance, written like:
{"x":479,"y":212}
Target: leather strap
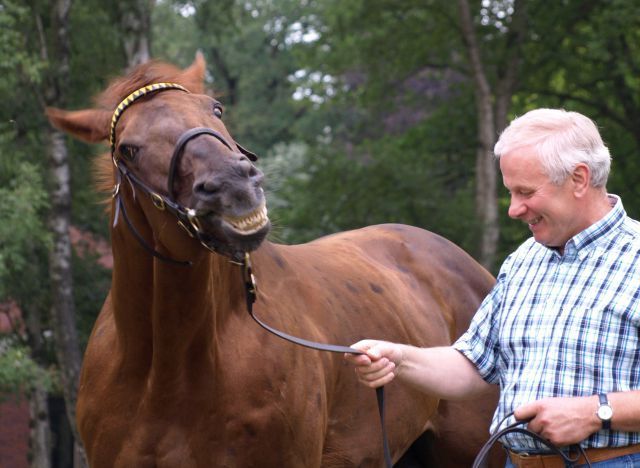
{"x":481,"y":458}
{"x":251,"y":294}
{"x":591,"y":455}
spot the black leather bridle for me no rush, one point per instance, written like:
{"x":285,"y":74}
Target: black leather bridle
{"x":189,"y":219}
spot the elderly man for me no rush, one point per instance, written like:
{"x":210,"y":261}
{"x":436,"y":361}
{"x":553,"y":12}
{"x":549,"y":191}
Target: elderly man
{"x":560,"y":331}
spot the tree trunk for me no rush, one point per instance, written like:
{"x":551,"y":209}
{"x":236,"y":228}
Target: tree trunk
{"x":492,"y":112}
{"x":486,"y":176}
{"x":40,"y":431}
{"x":62,"y":307}
{"x":135,"y":26}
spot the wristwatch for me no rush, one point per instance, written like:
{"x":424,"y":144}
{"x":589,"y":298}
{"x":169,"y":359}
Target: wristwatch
{"x":605,"y":412}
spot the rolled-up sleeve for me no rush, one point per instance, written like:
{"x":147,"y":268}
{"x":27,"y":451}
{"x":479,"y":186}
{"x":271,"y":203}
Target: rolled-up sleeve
{"x":480,"y":343}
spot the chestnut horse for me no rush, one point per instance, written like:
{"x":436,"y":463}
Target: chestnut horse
{"x":176,"y":373}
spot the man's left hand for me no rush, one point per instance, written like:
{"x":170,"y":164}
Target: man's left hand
{"x":562,"y":421}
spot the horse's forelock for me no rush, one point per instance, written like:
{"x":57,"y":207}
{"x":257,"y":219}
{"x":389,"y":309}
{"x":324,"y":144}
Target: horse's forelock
{"x":142,"y":75}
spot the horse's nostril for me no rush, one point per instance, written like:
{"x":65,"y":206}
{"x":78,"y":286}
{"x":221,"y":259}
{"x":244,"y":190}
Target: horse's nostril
{"x":206,"y":188}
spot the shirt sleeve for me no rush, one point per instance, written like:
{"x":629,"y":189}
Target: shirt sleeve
{"x":480,"y":343}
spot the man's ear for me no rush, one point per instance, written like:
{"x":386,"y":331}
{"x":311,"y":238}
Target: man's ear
{"x":581,"y":178}
{"x":91,"y":125}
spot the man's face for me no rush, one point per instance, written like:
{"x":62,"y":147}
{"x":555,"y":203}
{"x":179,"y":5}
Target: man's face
{"x":550,"y":211}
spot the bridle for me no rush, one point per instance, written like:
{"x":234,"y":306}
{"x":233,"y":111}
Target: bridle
{"x":189,"y":220}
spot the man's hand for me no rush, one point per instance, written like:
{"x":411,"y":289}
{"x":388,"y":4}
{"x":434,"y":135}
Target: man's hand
{"x":378,"y":366}
{"x":562,"y":421}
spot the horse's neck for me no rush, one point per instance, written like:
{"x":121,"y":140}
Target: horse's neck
{"x":166,"y":312}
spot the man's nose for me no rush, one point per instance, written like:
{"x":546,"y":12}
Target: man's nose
{"x":516,"y":208}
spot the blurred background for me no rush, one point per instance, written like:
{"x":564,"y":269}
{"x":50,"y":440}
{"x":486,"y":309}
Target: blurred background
{"x":363,"y":112}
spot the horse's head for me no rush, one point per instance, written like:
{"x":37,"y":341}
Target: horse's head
{"x":170,"y":141}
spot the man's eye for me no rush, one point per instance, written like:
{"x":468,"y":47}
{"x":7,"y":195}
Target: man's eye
{"x":129,"y":152}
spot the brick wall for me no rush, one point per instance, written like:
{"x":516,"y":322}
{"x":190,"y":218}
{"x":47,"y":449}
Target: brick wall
{"x":14,"y":433}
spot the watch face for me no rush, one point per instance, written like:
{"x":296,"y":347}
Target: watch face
{"x":605,"y":412}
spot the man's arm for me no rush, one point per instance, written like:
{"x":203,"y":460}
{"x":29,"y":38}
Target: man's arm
{"x":442,"y":371}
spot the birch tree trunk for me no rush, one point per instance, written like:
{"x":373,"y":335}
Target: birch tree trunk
{"x":62,"y":307}
{"x":134,"y":18}
{"x":492,"y":106}
{"x":40,"y":432}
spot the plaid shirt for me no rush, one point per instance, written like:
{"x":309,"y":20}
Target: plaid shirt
{"x":563,"y":325}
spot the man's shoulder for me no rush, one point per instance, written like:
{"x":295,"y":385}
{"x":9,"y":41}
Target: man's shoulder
{"x":626,"y":237}
{"x":529,"y":248}
{"x":528,"y":252}
{"x":631,"y":228}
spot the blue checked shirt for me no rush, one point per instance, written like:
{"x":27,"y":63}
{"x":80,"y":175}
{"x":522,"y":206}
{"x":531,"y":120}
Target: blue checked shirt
{"x":563,"y":325}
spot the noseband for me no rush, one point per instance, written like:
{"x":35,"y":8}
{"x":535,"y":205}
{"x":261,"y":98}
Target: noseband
{"x":188,"y":218}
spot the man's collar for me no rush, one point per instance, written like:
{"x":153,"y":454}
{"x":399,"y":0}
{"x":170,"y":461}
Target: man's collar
{"x":610,"y":221}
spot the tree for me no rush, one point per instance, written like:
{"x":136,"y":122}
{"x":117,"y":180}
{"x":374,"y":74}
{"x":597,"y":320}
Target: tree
{"x":62,"y":305}
{"x":133,"y":18}
{"x":403,"y":62}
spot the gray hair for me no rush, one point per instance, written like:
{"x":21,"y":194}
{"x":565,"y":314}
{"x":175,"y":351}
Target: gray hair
{"x":562,"y":140}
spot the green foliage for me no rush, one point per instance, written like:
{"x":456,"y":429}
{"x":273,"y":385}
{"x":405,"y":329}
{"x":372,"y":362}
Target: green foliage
{"x":23,"y":234}
{"x":422,"y":177}
{"x":19,"y":373}
{"x":585,"y":57}
{"x":249,"y":58}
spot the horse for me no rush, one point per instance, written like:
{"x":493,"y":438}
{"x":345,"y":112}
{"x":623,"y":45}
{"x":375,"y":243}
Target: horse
{"x":177,"y":374}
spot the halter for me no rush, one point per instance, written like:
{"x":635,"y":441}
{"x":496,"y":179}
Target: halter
{"x":188,"y":218}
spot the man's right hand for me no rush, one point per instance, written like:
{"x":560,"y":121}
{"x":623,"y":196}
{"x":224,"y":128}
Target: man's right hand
{"x":379,"y":364}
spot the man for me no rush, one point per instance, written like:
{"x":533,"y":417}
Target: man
{"x":560,"y":331}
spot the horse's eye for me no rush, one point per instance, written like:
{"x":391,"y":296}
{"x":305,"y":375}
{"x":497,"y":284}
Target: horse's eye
{"x":217,"y":110}
{"x":129,"y":152}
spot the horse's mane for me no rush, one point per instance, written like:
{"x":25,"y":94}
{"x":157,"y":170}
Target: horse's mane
{"x":148,"y":73}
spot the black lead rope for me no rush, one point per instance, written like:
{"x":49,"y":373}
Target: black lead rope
{"x":481,"y":459}
{"x":251,"y":294}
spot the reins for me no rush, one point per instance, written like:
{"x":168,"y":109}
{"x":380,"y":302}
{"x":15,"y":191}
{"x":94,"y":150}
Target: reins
{"x":188,"y":219}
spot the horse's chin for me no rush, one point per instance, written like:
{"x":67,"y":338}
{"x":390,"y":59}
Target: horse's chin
{"x":245,"y":241}
{"x":225,"y":237}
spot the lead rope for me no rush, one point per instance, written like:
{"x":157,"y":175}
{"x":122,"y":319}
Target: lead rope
{"x":481,"y":462}
{"x":251,"y":294}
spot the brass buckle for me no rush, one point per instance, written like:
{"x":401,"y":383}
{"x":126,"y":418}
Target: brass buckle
{"x":249,"y":277}
{"x":193,"y":220}
{"x":157,"y":201}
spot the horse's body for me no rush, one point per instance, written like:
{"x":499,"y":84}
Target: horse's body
{"x":177,"y":374}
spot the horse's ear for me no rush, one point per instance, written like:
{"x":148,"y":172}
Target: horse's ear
{"x":194,"y":74}
{"x":91,"y":125}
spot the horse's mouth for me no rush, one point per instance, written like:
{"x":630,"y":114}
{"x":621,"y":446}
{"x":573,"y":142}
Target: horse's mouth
{"x":248,"y":224}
